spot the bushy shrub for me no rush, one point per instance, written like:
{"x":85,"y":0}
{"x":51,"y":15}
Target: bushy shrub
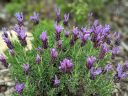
{"x":64,"y":60}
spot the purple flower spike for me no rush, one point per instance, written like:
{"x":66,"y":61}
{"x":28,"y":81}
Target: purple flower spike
{"x":54,"y":53}
{"x":117,"y":38}
{"x":22,"y":33}
{"x":119,"y":70}
{"x":84,"y":39}
{"x":3,"y":60}
{"x":108,"y":41}
{"x":58,"y":29}
{"x":19,"y":17}
{"x":106,"y":29}
{"x":67,"y":32}
{"x":103,"y":51}
{"x":58,"y":15}
{"x":75,"y":36}
{"x":115,"y":51}
{"x":59,"y":44}
{"x":17,"y":29}
{"x":96,"y":22}
{"x":66,"y":66}
{"x":26,"y":68}
{"x":40,"y":50}
{"x":75,"y":31}
{"x":20,"y":30}
{"x":108,"y":67}
{"x":86,"y":31}
{"x":5,"y":32}
{"x":19,"y":88}
{"x":94,"y":72}
{"x":120,"y":74}
{"x":35,"y":18}
{"x":11,"y":51}
{"x":43,"y":37}
{"x":38,"y":59}
{"x":22,"y":36}
{"x":56,"y":81}
{"x":126,"y":64}
{"x":7,"y":41}
{"x":66,"y":17}
{"x":90,"y":62}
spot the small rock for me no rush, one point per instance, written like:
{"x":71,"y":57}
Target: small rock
{"x":2,"y":82}
{"x":9,"y":91}
{"x":7,"y":79}
{"x":4,"y":72}
{"x":10,"y":84}
{"x":1,"y":66}
{"x":1,"y":94}
{"x":1,"y":77}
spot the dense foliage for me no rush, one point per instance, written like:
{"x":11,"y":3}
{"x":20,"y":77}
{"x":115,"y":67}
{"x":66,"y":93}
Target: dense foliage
{"x":64,"y":59}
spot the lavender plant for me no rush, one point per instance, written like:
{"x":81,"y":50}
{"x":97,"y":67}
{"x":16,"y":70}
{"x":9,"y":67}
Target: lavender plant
{"x":64,"y":60}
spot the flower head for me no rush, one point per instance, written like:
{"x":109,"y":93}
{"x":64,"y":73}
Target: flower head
{"x":84,"y":38}
{"x":5,"y":32}
{"x":58,"y":28}
{"x":56,"y":81}
{"x":85,"y":30}
{"x":20,"y":30}
{"x":59,"y":44}
{"x":108,"y":67}
{"x":66,"y":17}
{"x":11,"y":51}
{"x":106,"y":29}
{"x":40,"y":50}
{"x":94,"y":72}
{"x":117,"y":37}
{"x":26,"y":68}
{"x":7,"y":41}
{"x":90,"y":62}
{"x":58,"y":15}
{"x":103,"y":51}
{"x":95,"y":23}
{"x":126,"y":64}
{"x":19,"y":87}
{"x":38,"y":59}
{"x":67,"y":32}
{"x":19,"y":17}
{"x":57,"y":12}
{"x":120,"y":73}
{"x":3,"y":60}
{"x":115,"y":51}
{"x":43,"y":37}
{"x":22,"y":33}
{"x":54,"y":53}
{"x":17,"y":29}
{"x":35,"y":18}
{"x":75,"y":31}
{"x":66,"y":65}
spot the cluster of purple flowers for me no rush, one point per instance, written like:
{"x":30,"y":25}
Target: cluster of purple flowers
{"x":5,"y":37}
{"x":19,"y":88}
{"x":44,"y":40}
{"x":20,"y":30}
{"x":98,"y":34}
{"x":35,"y":18}
{"x":66,"y":66}
{"x":3,"y":60}
{"x":21,"y":34}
